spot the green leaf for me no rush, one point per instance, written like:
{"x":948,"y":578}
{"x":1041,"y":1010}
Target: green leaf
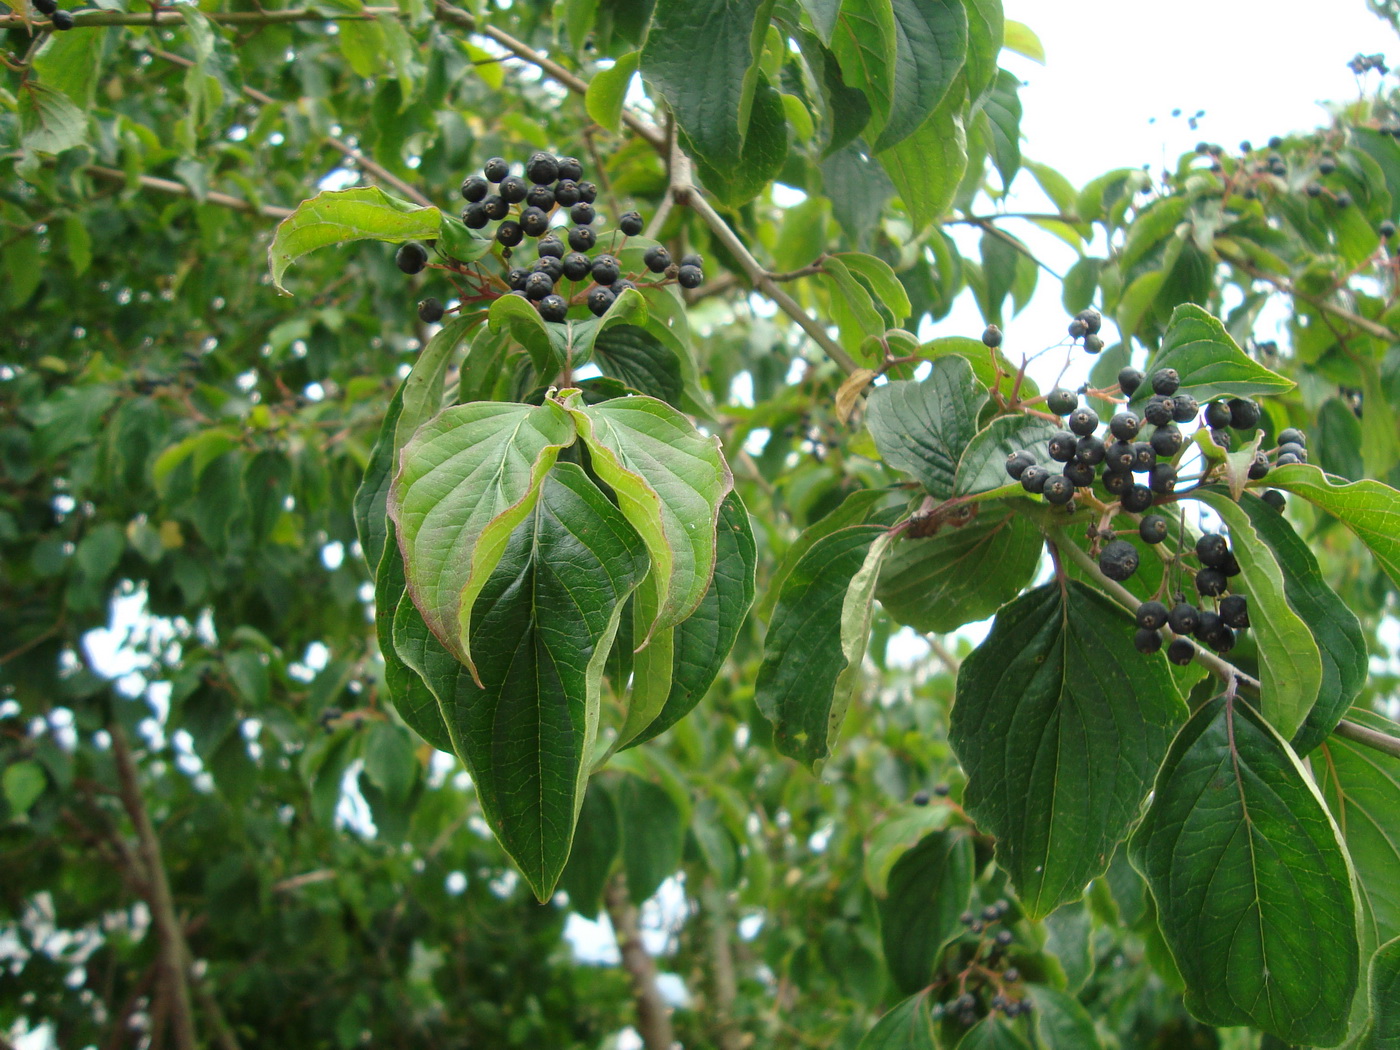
{"x":700,"y":58}
{"x":765,"y":149}
{"x":339,"y":216}
{"x":907,"y":1026}
{"x":930,"y":49}
{"x":702,"y":641}
{"x":1002,"y":112}
{"x":670,"y":480}
{"x":23,"y":782}
{"x":1208,"y":360}
{"x":390,"y":761}
{"x":960,"y":574}
{"x":1368,"y":508}
{"x":72,"y":64}
{"x":927,"y":890}
{"x":1385,"y":997}
{"x":597,"y":841}
{"x":1340,"y":642}
{"x":422,"y":389}
{"x":804,"y":655}
{"x":1060,"y":1022}
{"x":894,"y":838}
{"x":982,"y":467}
{"x":637,"y":357}
{"x":1362,"y":790}
{"x":1290,"y":665}
{"x":544,"y":622}
{"x":49,"y":122}
{"x":1060,"y":724}
{"x":863,"y":40}
{"x":398,"y":623}
{"x":853,"y":510}
{"x":1022,"y":39}
{"x":992,"y":1033}
{"x":928,"y":165}
{"x":987,"y":30}
{"x":79,"y":243}
{"x":882,"y":280}
{"x":1253,"y":889}
{"x":465,"y":481}
{"x":460,"y":243}
{"x":608,"y":89}
{"x":923,"y":427}
{"x":653,"y":834}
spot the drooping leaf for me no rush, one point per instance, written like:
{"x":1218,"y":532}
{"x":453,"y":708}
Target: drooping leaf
{"x":803,"y":654}
{"x":761,"y":159}
{"x":928,"y":889}
{"x":608,"y":89}
{"x":982,"y":467}
{"x":1002,"y":113}
{"x":1335,"y":628}
{"x":1362,"y":790}
{"x":896,"y":837}
{"x":423,"y":387}
{"x":465,"y":481}
{"x":641,"y":360}
{"x":863,"y":40}
{"x":1290,"y":665}
{"x":992,"y":1033}
{"x":853,"y":510}
{"x":597,"y":842}
{"x":670,"y":480}
{"x":702,"y":641}
{"x":1060,"y":724}
{"x":882,"y":280}
{"x":923,"y":427}
{"x":49,"y":121}
{"x":927,"y":166}
{"x":909,"y":1025}
{"x":1208,"y":360}
{"x":653,"y":834}
{"x":960,"y":574}
{"x":1385,"y":997}
{"x":339,"y":216}
{"x":1369,"y":508}
{"x":930,"y":48}
{"x":544,"y":621}
{"x":1253,"y":889}
{"x":700,"y":58}
{"x":1061,"y":1022}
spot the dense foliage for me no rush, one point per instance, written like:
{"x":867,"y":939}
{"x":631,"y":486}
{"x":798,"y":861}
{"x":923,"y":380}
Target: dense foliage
{"x":538,"y":553}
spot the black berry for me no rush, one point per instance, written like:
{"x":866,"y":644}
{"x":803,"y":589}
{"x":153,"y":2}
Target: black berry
{"x":576,"y":266}
{"x":475,"y":188}
{"x":922,"y":798}
{"x":538,"y":285}
{"x":582,"y":238}
{"x":630,"y":223}
{"x":566,"y":192}
{"x":1181,"y":652}
{"x":1153,"y":528}
{"x":1286,"y":460}
{"x":1292,"y":436}
{"x":690,"y":276}
{"x":513,"y":189}
{"x":1118,"y":457}
{"x":1079,"y":472}
{"x":551,"y":246}
{"x":411,"y":257}
{"x":1274,"y":498}
{"x":657,"y":259}
{"x":1062,"y":446}
{"x":1221,"y":439}
{"x":1386,"y":229}
{"x":1091,"y":319}
{"x":496,"y":207}
{"x":1144,"y":457}
{"x":1124,"y":426}
{"x":550,"y":265}
{"x":1017,"y":462}
{"x":509,"y":233}
{"x":693,"y":259}
{"x":1165,"y":381}
{"x":496,"y":169}
{"x":1117,"y":482}
{"x":1244,"y":414}
{"x":587,"y":192}
{"x":1162,"y":479}
{"x":1061,"y":401}
{"x":1078,"y":329}
{"x":991,"y":336}
{"x":534,"y":221}
{"x":1058,"y":490}
{"x":1159,"y":411}
{"x":1034,"y":477}
{"x":516,"y":278}
{"x":1118,"y":560}
{"x":1167,"y":441}
{"x":63,"y":20}
{"x":582,"y":213}
{"x":1184,"y":408}
{"x":430,"y":311}
{"x":541,"y":168}
{"x":606,"y":269}
{"x":1089,"y":450}
{"x":554,"y":308}
{"x":1136,"y":499}
{"x":569,"y":168}
{"x":1083,"y":421}
{"x":1129,"y":379}
{"x":474,"y":215}
{"x":541,"y":197}
{"x":1210,"y":583}
{"x":1184,"y":618}
{"x":1093,"y":344}
{"x":1147,"y":641}
{"x":1213,"y":550}
{"x":1217,"y":415}
{"x":1234,"y":610}
{"x":1152,"y":615}
{"x":1259,"y":468}
{"x":599,"y":299}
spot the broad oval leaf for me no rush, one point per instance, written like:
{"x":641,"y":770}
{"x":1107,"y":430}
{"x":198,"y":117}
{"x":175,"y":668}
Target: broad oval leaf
{"x":702,"y":641}
{"x":959,"y":575}
{"x":927,"y":890}
{"x":1060,"y":724}
{"x":1362,"y":790}
{"x":803,"y":687}
{"x":1335,"y":628}
{"x":653,"y":835}
{"x":1209,"y":361}
{"x":597,"y":841}
{"x":1290,"y":665}
{"x":1061,"y":1022}
{"x":983,"y":464}
{"x":638,"y":358}
{"x":802,"y":655}
{"x":670,"y":480}
{"x":608,"y":89}
{"x":863,"y":41}
{"x":992,"y":1033}
{"x":467,"y":478}
{"x":1253,"y":889}
{"x":930,"y":48}
{"x":338,"y":216}
{"x":1369,"y":508}
{"x":545,"y":620}
{"x":699,"y":58}
{"x":1385,"y":997}
{"x":923,"y":427}
{"x":928,"y":165}
{"x":764,"y":151}
{"x":908,"y":1025}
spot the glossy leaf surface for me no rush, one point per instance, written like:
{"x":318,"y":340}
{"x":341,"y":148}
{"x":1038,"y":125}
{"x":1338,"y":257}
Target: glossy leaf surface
{"x":922,"y":427}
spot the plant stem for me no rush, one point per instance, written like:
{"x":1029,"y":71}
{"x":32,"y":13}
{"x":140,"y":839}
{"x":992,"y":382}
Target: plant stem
{"x":174,"y":957}
{"x":653,"y":1015}
{"x":179,"y":189}
{"x":1371,"y":738}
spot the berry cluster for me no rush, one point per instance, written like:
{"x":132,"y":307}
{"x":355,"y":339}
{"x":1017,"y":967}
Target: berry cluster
{"x":1213,"y":627}
{"x":1085,"y":326}
{"x":984,"y":982}
{"x":527,"y":206}
{"x":57,"y":17}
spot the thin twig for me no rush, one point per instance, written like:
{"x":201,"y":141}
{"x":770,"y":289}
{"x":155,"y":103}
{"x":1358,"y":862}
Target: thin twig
{"x":1382,"y":742}
{"x":179,"y":189}
{"x":653,"y":1015}
{"x":1368,"y":326}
